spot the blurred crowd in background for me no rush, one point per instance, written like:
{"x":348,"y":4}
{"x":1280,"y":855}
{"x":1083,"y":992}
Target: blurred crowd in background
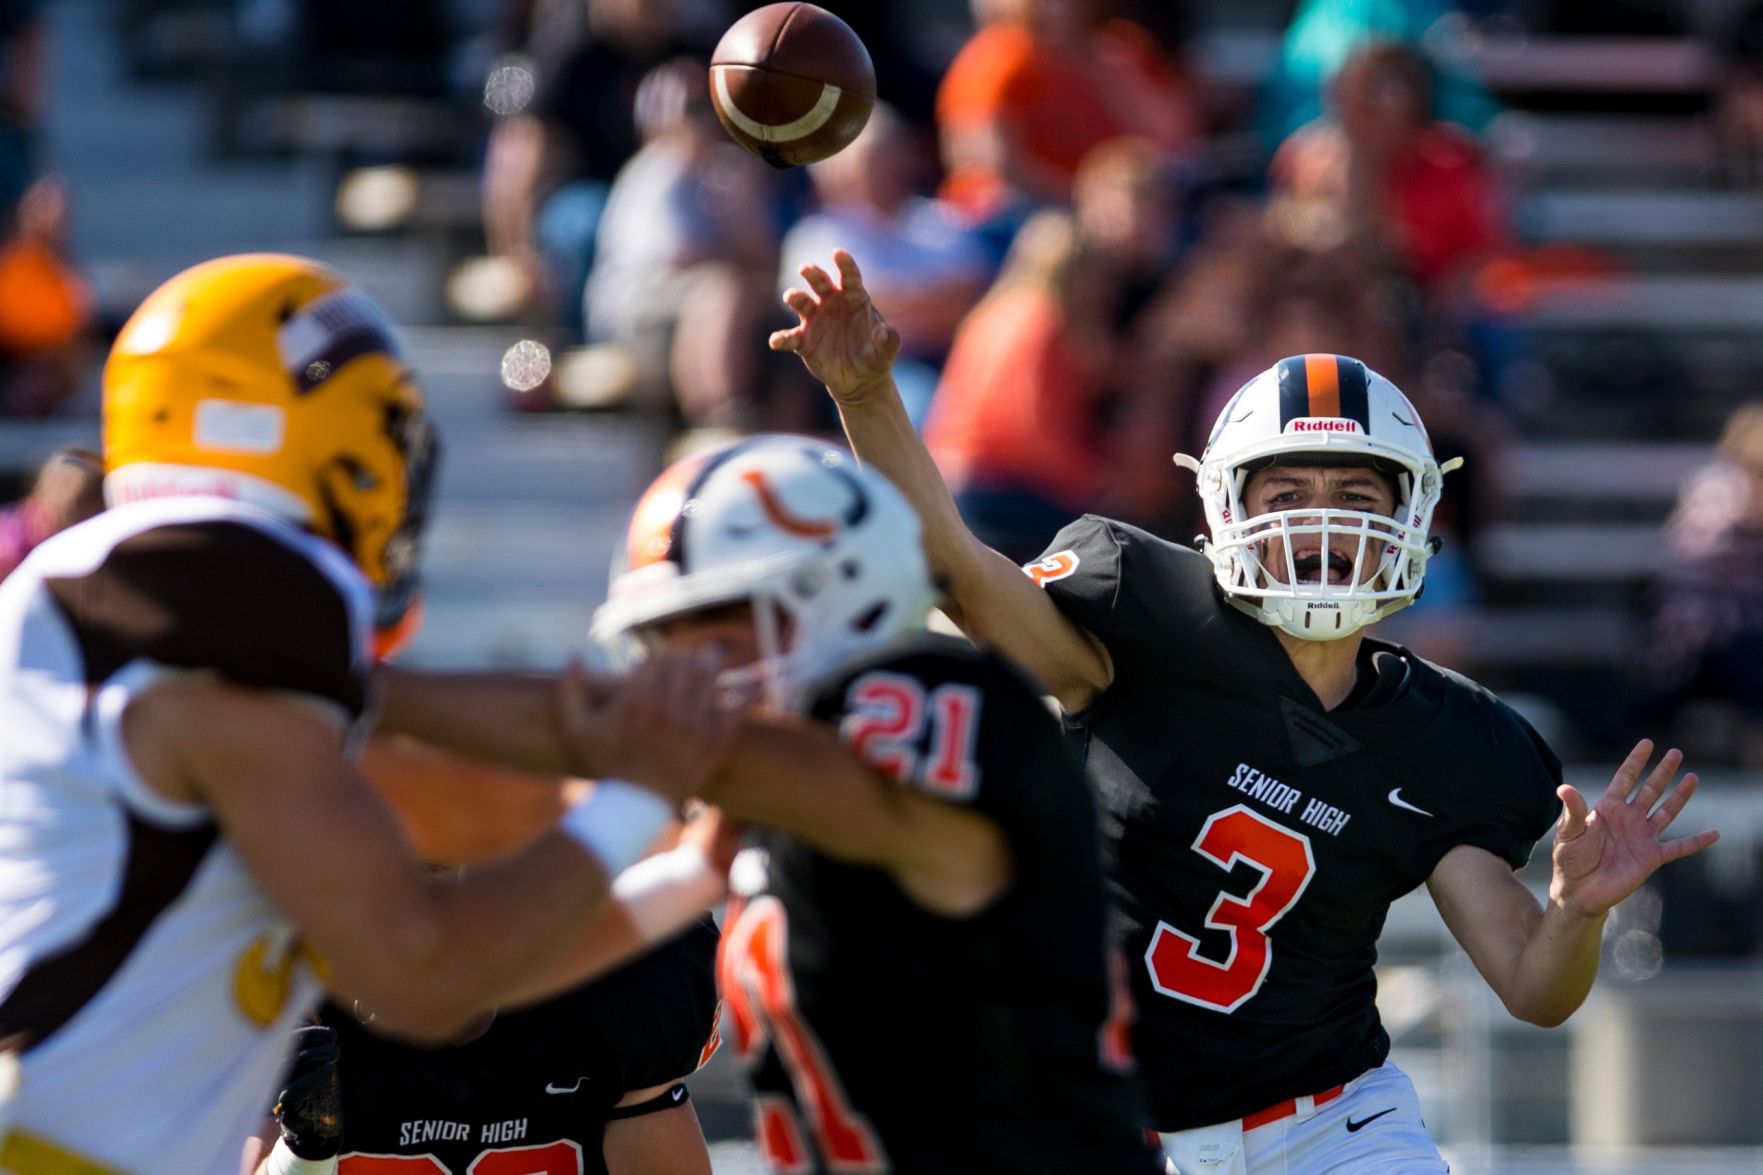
{"x":1086,"y":239}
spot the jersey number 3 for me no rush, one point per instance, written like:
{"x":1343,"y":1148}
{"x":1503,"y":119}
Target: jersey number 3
{"x":1235,"y":835}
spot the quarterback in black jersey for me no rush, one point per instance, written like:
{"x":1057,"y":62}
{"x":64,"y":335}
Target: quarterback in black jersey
{"x":1271,"y":778}
{"x":587,"y":1083}
{"x":915,"y":956}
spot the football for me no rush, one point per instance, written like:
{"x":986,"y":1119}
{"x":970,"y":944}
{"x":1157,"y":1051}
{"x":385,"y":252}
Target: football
{"x":792,"y":83}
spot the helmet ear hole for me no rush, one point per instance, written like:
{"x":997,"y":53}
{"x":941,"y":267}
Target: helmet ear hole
{"x":870,"y":619}
{"x":359,"y":475}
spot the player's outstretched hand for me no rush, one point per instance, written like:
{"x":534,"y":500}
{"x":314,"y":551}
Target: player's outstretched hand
{"x":842,"y":337}
{"x":1605,"y":852}
{"x":310,"y":1108}
{"x":664,"y":727}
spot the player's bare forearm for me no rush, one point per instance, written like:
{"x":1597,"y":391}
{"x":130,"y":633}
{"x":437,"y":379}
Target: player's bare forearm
{"x":790,"y":773}
{"x":850,"y":348}
{"x":882,"y":436}
{"x":1540,"y":960}
{"x":1557,"y":967}
{"x":1009,"y":613}
{"x":668,"y":1142}
{"x":506,"y":718}
{"x":987,"y":595}
{"x":426,"y":952}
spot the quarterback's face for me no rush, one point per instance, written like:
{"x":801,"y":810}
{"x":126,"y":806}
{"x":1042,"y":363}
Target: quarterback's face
{"x":1301,"y":487}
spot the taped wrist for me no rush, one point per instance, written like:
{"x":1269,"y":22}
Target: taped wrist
{"x":617,"y":823}
{"x":663,"y":893}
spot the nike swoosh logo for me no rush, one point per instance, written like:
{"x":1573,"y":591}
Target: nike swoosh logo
{"x":679,"y":1095}
{"x":1354,"y":1127}
{"x":549,"y":1088}
{"x":1395,"y":797}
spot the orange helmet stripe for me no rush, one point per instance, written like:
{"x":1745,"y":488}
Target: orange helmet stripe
{"x":1322,"y":374}
{"x":650,"y":538}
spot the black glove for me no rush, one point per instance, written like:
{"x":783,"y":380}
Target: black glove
{"x":310,"y":1108}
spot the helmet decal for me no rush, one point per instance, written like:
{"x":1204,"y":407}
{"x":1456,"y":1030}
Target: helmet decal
{"x":786,"y":520}
{"x":781,"y":516}
{"x":330,"y":331}
{"x":828,"y":553}
{"x":232,"y":427}
{"x":1330,"y":386}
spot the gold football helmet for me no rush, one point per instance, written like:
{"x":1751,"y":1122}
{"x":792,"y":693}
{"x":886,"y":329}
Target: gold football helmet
{"x":269,"y":379}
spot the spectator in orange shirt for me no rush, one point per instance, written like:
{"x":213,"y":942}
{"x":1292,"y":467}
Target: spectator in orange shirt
{"x":1040,"y":84}
{"x":1013,"y":425}
{"x":1381,"y":172}
{"x":1041,"y":411}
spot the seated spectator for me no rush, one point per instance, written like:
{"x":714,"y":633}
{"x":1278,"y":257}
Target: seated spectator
{"x":1014,"y":426}
{"x":1038,"y":86}
{"x":45,"y":308}
{"x":553,"y":153}
{"x":1701,"y":673}
{"x":1322,"y":36}
{"x":1705,"y":641}
{"x":1045,"y":409}
{"x":687,"y":238}
{"x":1382,"y":175}
{"x":68,"y":490}
{"x":918,"y":260}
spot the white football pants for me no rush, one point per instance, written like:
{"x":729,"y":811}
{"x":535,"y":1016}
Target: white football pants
{"x":1373,"y":1128}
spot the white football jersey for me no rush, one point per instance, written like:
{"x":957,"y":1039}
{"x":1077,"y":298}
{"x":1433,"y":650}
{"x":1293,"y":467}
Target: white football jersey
{"x":147,"y":985}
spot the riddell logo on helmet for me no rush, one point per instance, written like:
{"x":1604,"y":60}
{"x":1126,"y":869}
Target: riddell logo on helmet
{"x":1323,"y":424}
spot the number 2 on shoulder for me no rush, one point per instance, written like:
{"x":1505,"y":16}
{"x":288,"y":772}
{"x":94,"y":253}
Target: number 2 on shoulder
{"x":886,"y":720}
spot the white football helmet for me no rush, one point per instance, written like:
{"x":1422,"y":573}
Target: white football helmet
{"x":1318,"y":410}
{"x":828,"y":552}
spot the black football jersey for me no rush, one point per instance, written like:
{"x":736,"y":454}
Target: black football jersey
{"x":533,"y":1093}
{"x":1255,"y":841}
{"x":883,"y":1037}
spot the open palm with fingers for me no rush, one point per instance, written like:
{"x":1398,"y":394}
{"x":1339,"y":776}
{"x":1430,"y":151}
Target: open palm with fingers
{"x":841,"y":336}
{"x":1606,"y":851}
